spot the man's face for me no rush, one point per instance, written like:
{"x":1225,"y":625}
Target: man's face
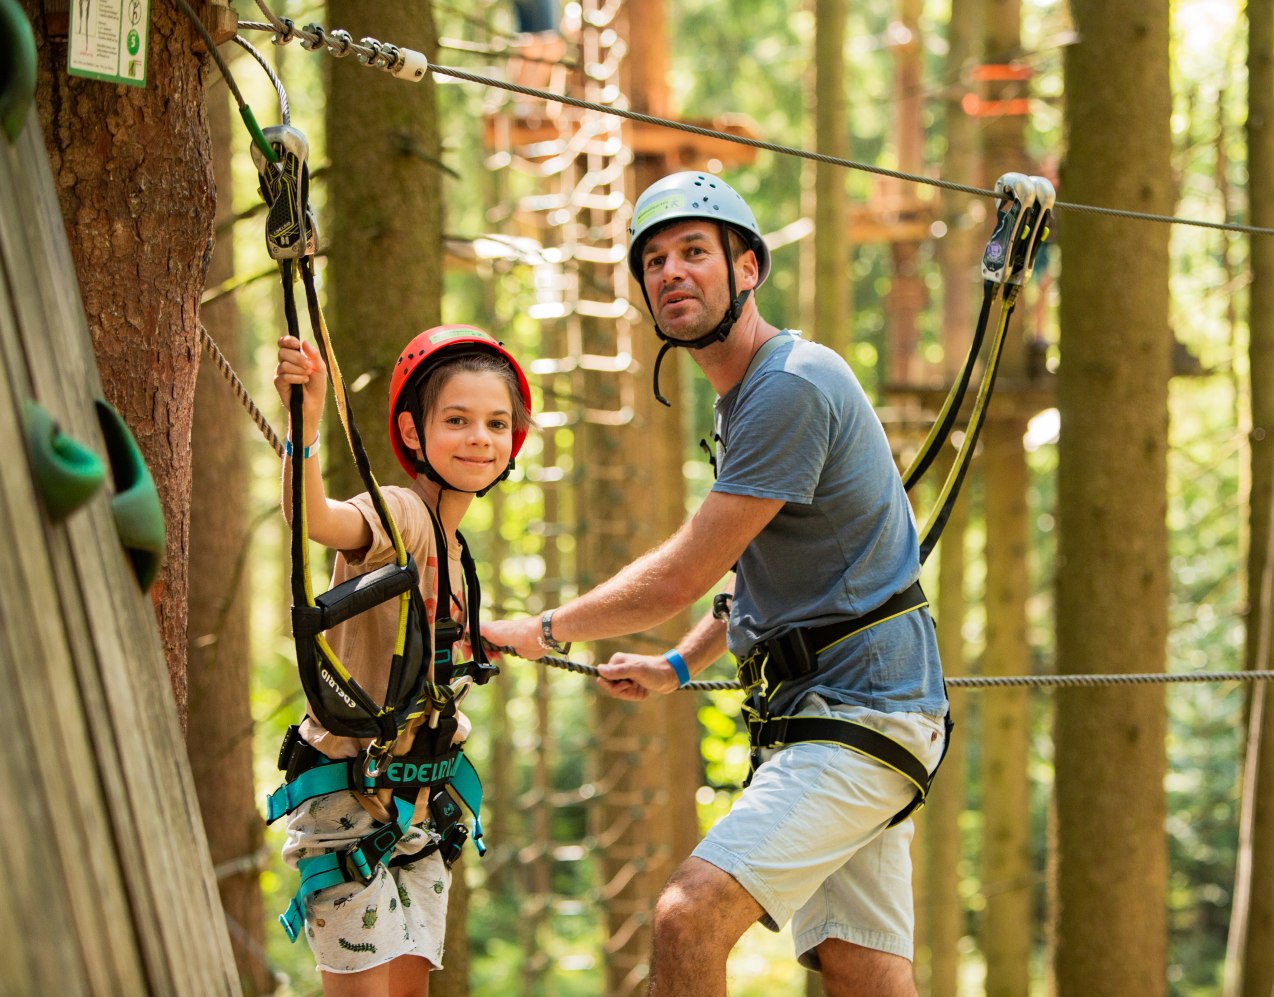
{"x":683,"y":268}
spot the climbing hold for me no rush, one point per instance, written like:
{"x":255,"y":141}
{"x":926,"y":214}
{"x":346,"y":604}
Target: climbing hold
{"x":66,"y":472}
{"x":17,"y":68}
{"x":139,"y":516}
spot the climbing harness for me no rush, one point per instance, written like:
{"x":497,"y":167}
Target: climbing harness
{"x":1021,"y":227}
{"x":422,"y":693}
{"x":685,"y":196}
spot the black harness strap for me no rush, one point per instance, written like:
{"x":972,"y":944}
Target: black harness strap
{"x":779,"y":732}
{"x":794,"y":654}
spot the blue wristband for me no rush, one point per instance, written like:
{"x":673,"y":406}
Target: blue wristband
{"x":679,"y":666}
{"x":306,"y":452}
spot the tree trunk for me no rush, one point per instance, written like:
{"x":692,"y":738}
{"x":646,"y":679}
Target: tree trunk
{"x":108,"y":888}
{"x":1112,"y":573}
{"x":939,"y":822}
{"x":1257,"y":976}
{"x":219,"y":732}
{"x":133,"y":173}
{"x":1007,"y":879}
{"x":385,"y":197}
{"x":1006,"y":929}
{"x":831,"y":319}
{"x":958,"y":255}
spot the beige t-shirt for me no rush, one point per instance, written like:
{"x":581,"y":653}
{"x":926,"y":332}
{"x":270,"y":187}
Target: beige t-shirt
{"x":365,"y":643}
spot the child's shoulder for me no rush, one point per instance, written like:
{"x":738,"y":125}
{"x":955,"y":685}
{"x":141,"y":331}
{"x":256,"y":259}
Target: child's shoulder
{"x":411,"y":516}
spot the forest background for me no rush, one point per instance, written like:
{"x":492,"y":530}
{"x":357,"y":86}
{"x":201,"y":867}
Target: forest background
{"x":590,"y":803}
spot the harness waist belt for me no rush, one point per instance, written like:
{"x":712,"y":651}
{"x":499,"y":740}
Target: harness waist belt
{"x":794,"y":653}
{"x":825,"y":635}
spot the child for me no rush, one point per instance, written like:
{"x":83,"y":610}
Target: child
{"x":459,"y":412}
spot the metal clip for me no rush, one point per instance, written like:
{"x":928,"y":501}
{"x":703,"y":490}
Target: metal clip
{"x":290,"y":229}
{"x":1016,"y":192}
{"x":1034,"y":231}
{"x":370,"y":766}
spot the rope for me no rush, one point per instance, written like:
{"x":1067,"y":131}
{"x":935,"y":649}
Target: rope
{"x":982,"y":681}
{"x":383,"y":56}
{"x":240,"y":392}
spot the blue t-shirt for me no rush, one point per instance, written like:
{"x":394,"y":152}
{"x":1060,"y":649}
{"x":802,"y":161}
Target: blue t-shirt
{"x":799,"y":427}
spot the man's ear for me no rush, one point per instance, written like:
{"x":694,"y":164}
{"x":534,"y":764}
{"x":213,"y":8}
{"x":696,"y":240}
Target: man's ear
{"x":748,"y":269}
{"x":407,"y":430}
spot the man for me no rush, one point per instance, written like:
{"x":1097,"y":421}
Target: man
{"x":826,"y":620}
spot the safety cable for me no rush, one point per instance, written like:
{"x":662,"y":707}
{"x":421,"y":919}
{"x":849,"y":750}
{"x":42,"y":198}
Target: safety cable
{"x":973,"y":681}
{"x":284,"y":108}
{"x":388,"y":57}
{"x":245,"y":112}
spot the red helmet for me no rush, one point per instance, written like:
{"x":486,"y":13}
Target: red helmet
{"x":427,"y":349}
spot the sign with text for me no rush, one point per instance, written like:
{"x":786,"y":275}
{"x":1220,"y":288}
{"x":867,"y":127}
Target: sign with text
{"x":108,"y":40}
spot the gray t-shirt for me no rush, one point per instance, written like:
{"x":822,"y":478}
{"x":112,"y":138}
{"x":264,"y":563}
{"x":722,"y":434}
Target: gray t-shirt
{"x":800,"y":428}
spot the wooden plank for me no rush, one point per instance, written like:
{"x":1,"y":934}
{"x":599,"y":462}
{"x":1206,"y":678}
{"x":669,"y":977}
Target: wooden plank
{"x":115,"y":708}
{"x":49,"y":755}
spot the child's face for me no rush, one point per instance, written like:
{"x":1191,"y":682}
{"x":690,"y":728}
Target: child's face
{"x":469,"y":435}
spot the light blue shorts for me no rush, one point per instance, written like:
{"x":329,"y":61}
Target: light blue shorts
{"x":809,"y":838}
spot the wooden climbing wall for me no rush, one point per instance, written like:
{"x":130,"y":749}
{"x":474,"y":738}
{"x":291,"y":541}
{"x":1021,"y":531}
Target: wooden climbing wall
{"x":108,"y":888}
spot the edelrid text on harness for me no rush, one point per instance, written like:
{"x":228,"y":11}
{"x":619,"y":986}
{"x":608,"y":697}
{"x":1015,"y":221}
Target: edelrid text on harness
{"x":1021,"y":227}
{"x":420,"y":696}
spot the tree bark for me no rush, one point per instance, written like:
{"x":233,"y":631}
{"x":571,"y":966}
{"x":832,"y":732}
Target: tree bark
{"x":1112,"y":556}
{"x":133,"y":171}
{"x":831,"y":318}
{"x":385,"y":199}
{"x":1257,"y":967}
{"x":219,"y":732}
{"x":385,"y":271}
{"x":1006,"y":928}
{"x":1007,"y":876}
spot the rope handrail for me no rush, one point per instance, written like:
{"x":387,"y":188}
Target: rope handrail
{"x":981,"y":681}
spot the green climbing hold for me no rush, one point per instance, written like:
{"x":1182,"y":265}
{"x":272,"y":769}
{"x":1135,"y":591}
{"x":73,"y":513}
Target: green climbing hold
{"x":17,"y":68}
{"x":66,"y":472}
{"x":139,"y":515}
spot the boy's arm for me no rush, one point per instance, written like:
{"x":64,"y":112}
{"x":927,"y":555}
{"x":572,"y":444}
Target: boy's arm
{"x":334,"y":524}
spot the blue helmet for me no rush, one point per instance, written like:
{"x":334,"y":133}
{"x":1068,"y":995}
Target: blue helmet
{"x":681,"y":196}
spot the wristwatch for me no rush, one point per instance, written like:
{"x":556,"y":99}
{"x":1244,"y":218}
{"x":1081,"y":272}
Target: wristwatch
{"x":546,"y":635}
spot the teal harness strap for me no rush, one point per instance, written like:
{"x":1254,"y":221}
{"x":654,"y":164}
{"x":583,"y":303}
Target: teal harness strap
{"x":361,"y":860}
{"x":466,"y":785}
{"x":367,"y":854}
{"x":318,"y":781}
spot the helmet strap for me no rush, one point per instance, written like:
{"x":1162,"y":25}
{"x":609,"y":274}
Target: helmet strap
{"x":716,"y":335}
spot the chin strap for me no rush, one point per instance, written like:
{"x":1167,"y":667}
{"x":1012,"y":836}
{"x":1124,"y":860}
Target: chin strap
{"x":715,"y":335}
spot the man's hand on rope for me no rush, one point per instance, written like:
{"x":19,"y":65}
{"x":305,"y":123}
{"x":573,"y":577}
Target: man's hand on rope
{"x":521,"y":637}
{"x":300,"y":363}
{"x":635,"y":676}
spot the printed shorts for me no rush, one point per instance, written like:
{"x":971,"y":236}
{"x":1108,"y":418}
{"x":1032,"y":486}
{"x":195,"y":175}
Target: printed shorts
{"x":809,"y":837}
{"x":357,"y":926}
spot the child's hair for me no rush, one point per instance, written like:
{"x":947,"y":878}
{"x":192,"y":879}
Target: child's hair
{"x":430,"y":387}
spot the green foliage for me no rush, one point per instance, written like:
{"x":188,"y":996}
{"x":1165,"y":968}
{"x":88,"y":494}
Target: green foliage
{"x":751,"y":57}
